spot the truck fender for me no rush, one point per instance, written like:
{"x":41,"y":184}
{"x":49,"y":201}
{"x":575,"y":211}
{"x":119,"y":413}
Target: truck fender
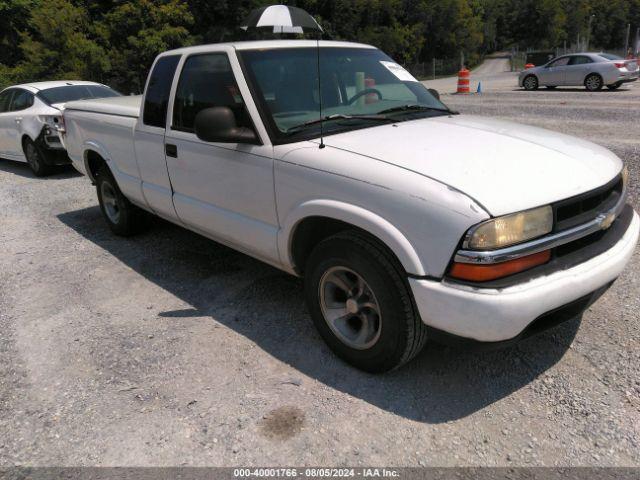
{"x":354,"y":215}
{"x":93,"y":146}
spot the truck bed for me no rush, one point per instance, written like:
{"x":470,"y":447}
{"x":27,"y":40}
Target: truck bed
{"x":121,"y":106}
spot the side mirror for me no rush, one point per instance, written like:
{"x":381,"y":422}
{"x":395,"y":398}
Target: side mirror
{"x":434,"y":92}
{"x":218,"y":124}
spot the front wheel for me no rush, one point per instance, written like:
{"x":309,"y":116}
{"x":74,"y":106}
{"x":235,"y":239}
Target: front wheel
{"x":361,"y":303}
{"x":123,"y":218}
{"x":530,"y":83}
{"x":36,"y":159}
{"x":593,"y":82}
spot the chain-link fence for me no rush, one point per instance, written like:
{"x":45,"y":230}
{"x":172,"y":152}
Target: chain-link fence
{"x":437,"y":67}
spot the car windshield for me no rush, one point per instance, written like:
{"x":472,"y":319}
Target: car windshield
{"x":609,"y":56}
{"x":70,"y":93}
{"x":360,"y":87}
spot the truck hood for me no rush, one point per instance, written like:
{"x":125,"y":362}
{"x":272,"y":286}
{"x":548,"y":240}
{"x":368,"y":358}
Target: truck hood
{"x":504,"y":166}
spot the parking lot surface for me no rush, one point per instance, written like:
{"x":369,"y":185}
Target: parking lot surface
{"x":169,"y":349}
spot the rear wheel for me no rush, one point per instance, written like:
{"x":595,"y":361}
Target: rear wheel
{"x":530,"y":83}
{"x":123,"y":218}
{"x":614,"y":86}
{"x":36,"y":159}
{"x":593,"y":82}
{"x":361,"y":304}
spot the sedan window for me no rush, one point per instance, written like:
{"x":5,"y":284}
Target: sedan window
{"x":580,"y":60}
{"x":560,"y":62}
{"x":76,"y":92}
{"x":608,"y":56}
{"x":5,"y":100}
{"x":21,"y":100}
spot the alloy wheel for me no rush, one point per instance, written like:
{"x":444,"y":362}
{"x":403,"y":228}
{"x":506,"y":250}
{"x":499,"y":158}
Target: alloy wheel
{"x":110,"y":202}
{"x":594,"y":82}
{"x":350,"y":308}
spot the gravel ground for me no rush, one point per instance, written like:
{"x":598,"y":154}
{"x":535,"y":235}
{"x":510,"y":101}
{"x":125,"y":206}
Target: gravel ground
{"x":168,"y":349}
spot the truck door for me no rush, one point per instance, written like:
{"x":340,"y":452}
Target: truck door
{"x":149,"y":138}
{"x":223,"y":190}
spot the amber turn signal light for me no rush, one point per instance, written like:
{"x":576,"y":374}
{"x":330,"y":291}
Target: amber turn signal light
{"x":484,"y":273}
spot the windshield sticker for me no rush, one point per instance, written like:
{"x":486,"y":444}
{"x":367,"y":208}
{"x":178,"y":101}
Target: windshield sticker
{"x":399,"y":71}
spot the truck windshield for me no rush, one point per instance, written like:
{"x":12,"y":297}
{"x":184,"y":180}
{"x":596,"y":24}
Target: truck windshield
{"x":70,"y":93}
{"x":361,"y":87}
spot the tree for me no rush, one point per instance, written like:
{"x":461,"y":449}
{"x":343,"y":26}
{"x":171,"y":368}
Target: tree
{"x":135,"y":32}
{"x":59,"y":45}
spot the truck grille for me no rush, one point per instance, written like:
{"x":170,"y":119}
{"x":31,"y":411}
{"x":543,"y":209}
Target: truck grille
{"x":587,"y":206}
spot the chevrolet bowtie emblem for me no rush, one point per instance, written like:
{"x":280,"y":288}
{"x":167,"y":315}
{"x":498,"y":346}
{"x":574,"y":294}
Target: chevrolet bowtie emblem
{"x":607,"y":221}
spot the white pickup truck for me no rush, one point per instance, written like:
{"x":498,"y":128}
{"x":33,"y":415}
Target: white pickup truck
{"x":407,"y":220}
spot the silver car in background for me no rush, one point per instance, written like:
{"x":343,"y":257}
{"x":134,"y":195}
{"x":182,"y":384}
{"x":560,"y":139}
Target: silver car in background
{"x":593,"y":70}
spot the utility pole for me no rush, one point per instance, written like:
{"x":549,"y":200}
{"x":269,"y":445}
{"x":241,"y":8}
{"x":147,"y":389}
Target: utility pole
{"x":591,"y":17}
{"x":626,"y":40}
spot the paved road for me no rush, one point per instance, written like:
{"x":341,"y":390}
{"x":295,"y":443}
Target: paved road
{"x":168,"y":349}
{"x":494,"y":74}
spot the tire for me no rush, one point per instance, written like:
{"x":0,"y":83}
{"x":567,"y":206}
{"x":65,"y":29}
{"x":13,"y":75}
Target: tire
{"x":530,"y":83}
{"x":381,"y":328}
{"x":36,"y":158}
{"x":593,"y":82}
{"x":614,"y":86}
{"x":124,"y":218}
{"x":551,"y":87}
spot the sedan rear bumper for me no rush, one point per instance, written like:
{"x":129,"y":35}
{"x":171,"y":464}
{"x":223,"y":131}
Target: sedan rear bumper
{"x":499,"y":314}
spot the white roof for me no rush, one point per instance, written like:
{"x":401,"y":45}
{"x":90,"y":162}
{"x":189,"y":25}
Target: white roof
{"x":36,"y":86}
{"x":267,"y":44}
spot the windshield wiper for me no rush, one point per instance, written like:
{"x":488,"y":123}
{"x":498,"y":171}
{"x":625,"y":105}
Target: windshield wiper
{"x":338,"y":116}
{"x":416,"y":108}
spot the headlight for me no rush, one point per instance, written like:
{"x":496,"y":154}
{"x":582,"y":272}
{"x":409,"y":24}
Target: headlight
{"x":510,"y":229}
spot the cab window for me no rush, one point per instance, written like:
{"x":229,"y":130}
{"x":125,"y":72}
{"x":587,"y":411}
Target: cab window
{"x":21,"y":100}
{"x":5,"y":100}
{"x":207,"y":81}
{"x":156,"y":98}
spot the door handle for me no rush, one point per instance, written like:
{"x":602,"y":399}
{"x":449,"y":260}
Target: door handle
{"x":18,"y":119}
{"x":171,"y":150}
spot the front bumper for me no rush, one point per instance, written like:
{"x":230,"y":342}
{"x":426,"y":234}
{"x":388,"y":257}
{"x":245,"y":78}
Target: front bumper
{"x":499,"y":314}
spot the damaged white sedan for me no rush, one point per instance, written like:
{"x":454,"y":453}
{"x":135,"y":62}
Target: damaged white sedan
{"x":30,"y":115}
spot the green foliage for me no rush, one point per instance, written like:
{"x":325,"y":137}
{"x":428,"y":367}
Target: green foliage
{"x":115,"y":42}
{"x":135,"y":32}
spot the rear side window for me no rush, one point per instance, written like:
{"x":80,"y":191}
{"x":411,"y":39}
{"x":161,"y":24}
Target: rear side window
{"x":156,"y":97}
{"x":21,"y":100}
{"x":580,"y":60}
{"x":206,"y":81}
{"x":608,"y":56}
{"x":69,"y":93}
{"x":5,"y":100}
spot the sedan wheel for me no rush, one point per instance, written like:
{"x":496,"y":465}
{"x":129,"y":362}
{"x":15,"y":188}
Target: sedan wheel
{"x":593,"y":82}
{"x":530,"y":83}
{"x":35,"y":159}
